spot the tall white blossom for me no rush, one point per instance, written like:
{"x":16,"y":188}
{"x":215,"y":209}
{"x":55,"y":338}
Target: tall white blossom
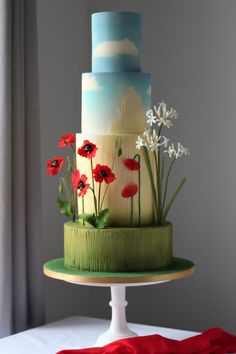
{"x":151,"y":118}
{"x":165,"y":141}
{"x":139,"y":143}
{"x":177,"y":152}
{"x":164,"y":115}
{"x":151,"y":140}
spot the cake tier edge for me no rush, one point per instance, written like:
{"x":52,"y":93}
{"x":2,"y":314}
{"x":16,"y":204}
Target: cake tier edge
{"x":117,"y":249}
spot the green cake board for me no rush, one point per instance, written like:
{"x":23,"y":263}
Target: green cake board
{"x":179,"y":268}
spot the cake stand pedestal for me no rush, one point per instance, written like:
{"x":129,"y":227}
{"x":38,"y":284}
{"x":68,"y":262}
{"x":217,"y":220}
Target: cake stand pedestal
{"x":180,"y":268}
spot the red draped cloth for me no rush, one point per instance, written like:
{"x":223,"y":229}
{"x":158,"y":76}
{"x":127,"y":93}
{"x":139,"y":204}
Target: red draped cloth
{"x":212,"y":341}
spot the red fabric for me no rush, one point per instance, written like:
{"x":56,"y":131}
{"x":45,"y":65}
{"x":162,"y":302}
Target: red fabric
{"x":212,"y":341}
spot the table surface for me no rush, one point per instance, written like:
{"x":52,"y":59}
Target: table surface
{"x":71,"y":333}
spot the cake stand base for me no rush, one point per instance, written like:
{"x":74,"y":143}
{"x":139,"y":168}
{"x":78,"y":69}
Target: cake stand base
{"x":118,"y":327}
{"x":179,"y":269}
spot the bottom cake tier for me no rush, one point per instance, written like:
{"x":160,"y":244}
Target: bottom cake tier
{"x":120,"y":249}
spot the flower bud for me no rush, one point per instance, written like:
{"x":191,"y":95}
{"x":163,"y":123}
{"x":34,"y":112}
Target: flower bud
{"x":70,"y":168}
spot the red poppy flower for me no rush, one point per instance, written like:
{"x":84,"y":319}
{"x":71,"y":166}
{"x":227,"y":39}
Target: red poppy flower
{"x":54,"y":165}
{"x":88,"y":149}
{"x":129,"y":191}
{"x":132,"y":164}
{"x":79,"y":183}
{"x":103,"y":173}
{"x":66,"y":140}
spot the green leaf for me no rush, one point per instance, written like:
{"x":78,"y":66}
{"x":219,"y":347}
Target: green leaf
{"x":162,"y":169}
{"x":167,"y":209}
{"x":149,"y":168}
{"x":70,"y":167}
{"x":119,"y":151}
{"x":65,"y":207}
{"x":89,"y":218}
{"x":101,"y":219}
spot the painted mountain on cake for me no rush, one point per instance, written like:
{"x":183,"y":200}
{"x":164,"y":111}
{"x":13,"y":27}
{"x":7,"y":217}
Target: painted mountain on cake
{"x":131,"y":106}
{"x":104,"y":95}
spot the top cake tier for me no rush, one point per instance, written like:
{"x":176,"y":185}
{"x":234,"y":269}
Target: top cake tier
{"x":116,"y":40}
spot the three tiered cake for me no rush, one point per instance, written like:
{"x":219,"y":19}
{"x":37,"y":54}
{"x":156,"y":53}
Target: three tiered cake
{"x":116,"y":231}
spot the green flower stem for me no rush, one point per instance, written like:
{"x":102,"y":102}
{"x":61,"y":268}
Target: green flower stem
{"x":69,"y":194}
{"x":162,"y":169}
{"x":159,"y":180}
{"x":149,"y":169}
{"x":95,"y":201}
{"x":132,"y":211}
{"x":83,"y":207}
{"x":74,"y":208}
{"x":93,"y":189}
{"x":105,"y":192}
{"x":139,"y":198}
{"x":158,"y":187}
{"x":166,"y":187}
{"x":65,"y":181}
{"x":137,"y":156}
{"x":115,"y":154}
{"x":99,"y":197}
{"x":61,"y":190}
{"x":167,"y":209}
{"x":112,"y":166}
{"x":74,"y":194}
{"x":74,"y":154}
{"x":73,"y":147}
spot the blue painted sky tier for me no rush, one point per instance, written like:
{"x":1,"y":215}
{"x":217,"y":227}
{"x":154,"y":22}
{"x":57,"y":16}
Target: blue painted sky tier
{"x":116,"y":41}
{"x":115,"y":102}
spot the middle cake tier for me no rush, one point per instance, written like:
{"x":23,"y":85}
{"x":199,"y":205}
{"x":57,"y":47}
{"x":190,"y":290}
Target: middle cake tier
{"x":120,"y":181}
{"x":115,"y":102}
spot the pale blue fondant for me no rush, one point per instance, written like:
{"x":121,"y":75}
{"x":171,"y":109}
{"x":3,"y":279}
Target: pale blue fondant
{"x":102,"y":100}
{"x":116,"y":27}
{"x":116,"y":95}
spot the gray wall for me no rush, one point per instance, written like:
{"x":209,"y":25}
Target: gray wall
{"x":189,"y":46}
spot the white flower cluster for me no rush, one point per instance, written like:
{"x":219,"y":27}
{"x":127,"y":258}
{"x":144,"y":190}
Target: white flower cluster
{"x":161,"y":115}
{"x":151,"y":140}
{"x":176,"y":153}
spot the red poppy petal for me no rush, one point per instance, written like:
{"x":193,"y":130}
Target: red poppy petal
{"x":83,"y":178}
{"x":85,"y":153}
{"x":110,"y":178}
{"x":66,"y":140}
{"x":132,"y":164}
{"x":52,"y":171}
{"x":75,"y":176}
{"x":129,"y":191}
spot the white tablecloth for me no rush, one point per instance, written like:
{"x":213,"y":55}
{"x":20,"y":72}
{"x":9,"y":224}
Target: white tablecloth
{"x":71,"y":333}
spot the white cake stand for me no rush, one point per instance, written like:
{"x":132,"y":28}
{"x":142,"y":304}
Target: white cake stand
{"x":118,"y":282}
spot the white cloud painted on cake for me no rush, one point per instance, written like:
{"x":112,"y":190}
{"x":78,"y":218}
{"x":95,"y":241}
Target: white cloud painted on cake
{"x":149,"y":90}
{"x":112,"y":48}
{"x":90,"y":83}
